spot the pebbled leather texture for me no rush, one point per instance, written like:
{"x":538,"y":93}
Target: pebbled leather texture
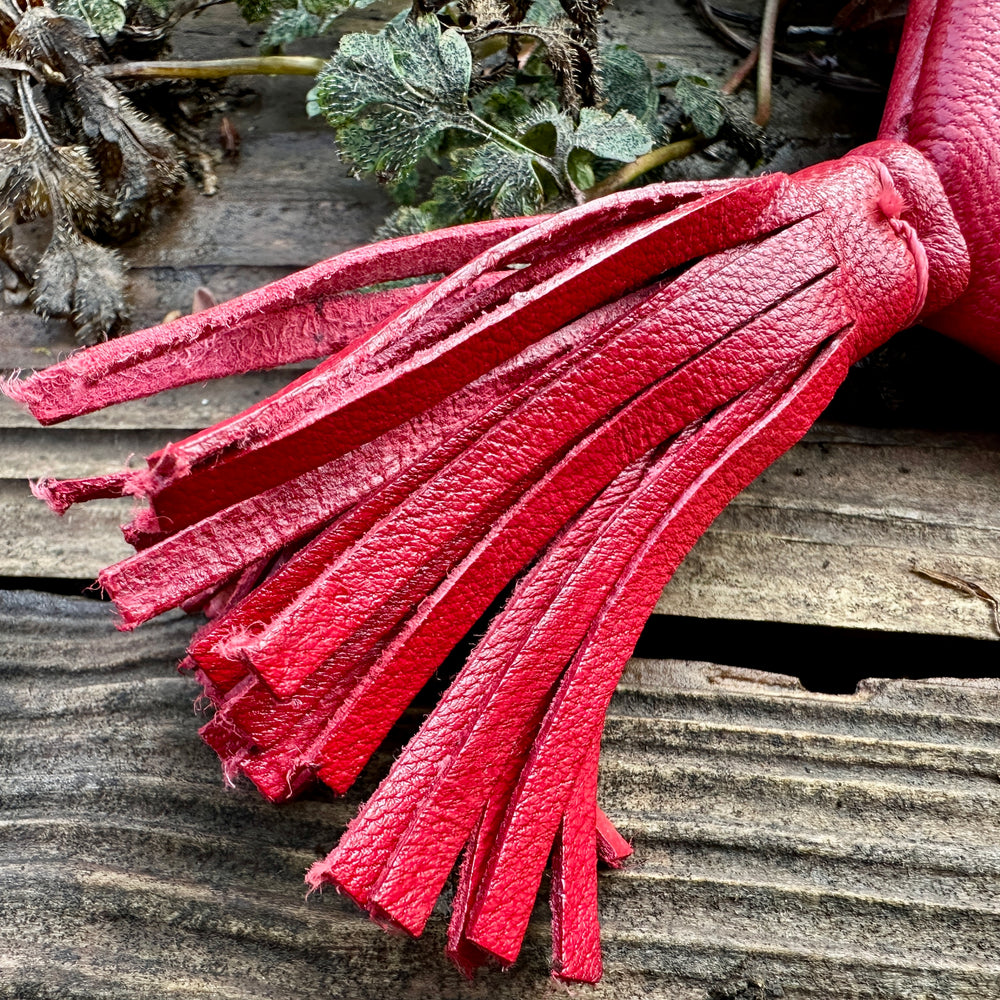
{"x":570,"y":407}
{"x":305,"y":315}
{"x":945,"y":102}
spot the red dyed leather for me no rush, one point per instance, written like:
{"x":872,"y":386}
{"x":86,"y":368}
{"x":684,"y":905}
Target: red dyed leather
{"x":612,"y":848}
{"x":302,"y":316}
{"x":387,"y":692}
{"x":945,"y":102}
{"x":364,"y":850}
{"x":576,"y":933}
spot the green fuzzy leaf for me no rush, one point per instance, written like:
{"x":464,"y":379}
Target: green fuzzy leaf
{"x":305,"y":19}
{"x":701,"y":101}
{"x":406,"y":221}
{"x":499,"y":182}
{"x":567,"y":150}
{"x":544,"y":12}
{"x":289,"y":25}
{"x":580,"y":168}
{"x":391,"y":95}
{"x":449,"y":203}
{"x":405,"y":187}
{"x":620,"y":137}
{"x":313,"y":110}
{"x":254,"y":10}
{"x":334,"y":8}
{"x":668,"y":72}
{"x":503,"y":105}
{"x":549,"y":131}
{"x":104,"y":17}
{"x":628,"y":84}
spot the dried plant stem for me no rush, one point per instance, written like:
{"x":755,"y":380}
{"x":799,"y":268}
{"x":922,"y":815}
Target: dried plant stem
{"x":967,"y":587}
{"x":738,"y":76}
{"x":765,"y":61}
{"x":211,"y":69}
{"x":624,"y":176}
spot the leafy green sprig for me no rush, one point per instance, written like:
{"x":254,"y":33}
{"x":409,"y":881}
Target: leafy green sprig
{"x":420,"y":106}
{"x":464,"y":110}
{"x":460,"y":128}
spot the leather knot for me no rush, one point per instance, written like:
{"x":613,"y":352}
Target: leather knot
{"x":920,"y":213}
{"x":892,"y":204}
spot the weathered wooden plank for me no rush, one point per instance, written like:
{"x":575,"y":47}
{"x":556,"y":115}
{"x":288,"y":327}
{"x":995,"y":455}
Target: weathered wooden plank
{"x":288,"y":203}
{"x":32,"y":452}
{"x":828,"y":535}
{"x":808,"y":123}
{"x":815,"y":845}
{"x":35,"y":543}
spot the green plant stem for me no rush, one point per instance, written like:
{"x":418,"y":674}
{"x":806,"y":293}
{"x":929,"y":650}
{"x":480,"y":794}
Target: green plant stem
{"x":624,"y":176}
{"x":212,"y":69}
{"x":491,"y":131}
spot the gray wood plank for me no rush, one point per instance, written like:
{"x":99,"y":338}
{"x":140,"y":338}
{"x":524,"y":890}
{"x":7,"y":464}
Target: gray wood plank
{"x":817,"y":845}
{"x":830,"y":533}
{"x":35,"y":543}
{"x":827,"y":536}
{"x":287,"y":203}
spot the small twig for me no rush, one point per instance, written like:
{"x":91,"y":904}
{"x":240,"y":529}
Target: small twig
{"x":966,"y":587}
{"x":739,"y":75}
{"x":845,"y":81}
{"x":765,"y":61}
{"x":624,"y":176}
{"x":186,"y":7}
{"x":212,"y":69}
{"x":573,"y":77}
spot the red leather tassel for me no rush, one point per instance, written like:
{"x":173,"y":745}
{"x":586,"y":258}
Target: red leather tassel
{"x":305,"y":315}
{"x":576,"y":931}
{"x":574,"y":402}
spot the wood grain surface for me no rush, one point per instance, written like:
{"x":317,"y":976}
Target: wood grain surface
{"x":829,"y":535}
{"x":790,"y":845}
